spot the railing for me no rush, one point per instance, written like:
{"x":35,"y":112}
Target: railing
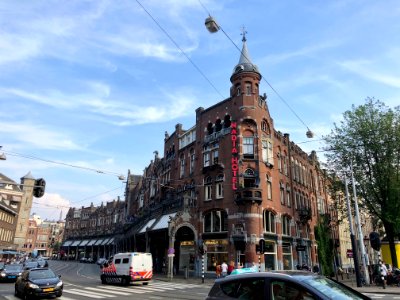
{"x":248,"y":195}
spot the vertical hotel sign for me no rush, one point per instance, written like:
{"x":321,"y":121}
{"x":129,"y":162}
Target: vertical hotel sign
{"x":234,"y":159}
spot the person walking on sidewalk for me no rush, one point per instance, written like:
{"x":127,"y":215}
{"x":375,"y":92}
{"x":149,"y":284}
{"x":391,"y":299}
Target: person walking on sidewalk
{"x":224,"y":269}
{"x":384,"y":272}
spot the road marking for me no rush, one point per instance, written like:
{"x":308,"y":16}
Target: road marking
{"x":87,"y":294}
{"x":115,"y":288}
{"x":108,"y":291}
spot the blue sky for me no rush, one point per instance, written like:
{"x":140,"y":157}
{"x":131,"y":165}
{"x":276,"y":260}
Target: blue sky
{"x":94,"y":85}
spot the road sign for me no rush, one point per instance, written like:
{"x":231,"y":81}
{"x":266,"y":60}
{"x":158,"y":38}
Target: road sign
{"x":349,"y":253}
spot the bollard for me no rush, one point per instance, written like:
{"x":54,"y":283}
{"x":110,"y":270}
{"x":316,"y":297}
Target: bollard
{"x":186,"y":272}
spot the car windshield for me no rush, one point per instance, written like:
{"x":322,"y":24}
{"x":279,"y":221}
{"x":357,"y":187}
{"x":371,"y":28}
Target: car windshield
{"x":13,"y":267}
{"x":41,"y":274}
{"x":331,"y":288}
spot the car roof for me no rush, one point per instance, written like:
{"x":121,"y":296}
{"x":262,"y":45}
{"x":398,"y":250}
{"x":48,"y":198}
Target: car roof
{"x":292,"y":274}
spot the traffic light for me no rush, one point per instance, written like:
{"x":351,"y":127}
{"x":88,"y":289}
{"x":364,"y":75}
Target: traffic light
{"x":38,"y":189}
{"x":375,"y":241}
{"x":261,"y":245}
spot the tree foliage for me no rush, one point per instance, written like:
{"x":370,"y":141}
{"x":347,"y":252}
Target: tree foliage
{"x":325,"y":245}
{"x":368,"y":138}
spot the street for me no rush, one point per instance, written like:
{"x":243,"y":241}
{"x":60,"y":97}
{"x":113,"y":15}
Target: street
{"x":82,"y":281}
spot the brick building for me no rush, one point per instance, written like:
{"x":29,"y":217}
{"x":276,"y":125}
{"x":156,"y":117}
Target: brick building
{"x":224,"y":184}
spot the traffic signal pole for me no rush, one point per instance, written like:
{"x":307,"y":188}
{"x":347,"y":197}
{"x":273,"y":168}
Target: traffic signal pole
{"x":353,"y":240}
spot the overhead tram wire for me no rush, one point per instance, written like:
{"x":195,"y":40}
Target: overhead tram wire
{"x":180,"y":49}
{"x":64,"y":164}
{"x":263,"y":78}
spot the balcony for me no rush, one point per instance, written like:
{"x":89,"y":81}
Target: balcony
{"x":248,"y":195}
{"x":216,"y":165}
{"x":304,"y":214}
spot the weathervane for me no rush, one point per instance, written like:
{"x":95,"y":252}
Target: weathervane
{"x":243,"y":33}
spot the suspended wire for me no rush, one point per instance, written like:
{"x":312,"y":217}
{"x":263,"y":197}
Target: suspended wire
{"x":180,"y":49}
{"x":60,"y":163}
{"x":263,"y":78}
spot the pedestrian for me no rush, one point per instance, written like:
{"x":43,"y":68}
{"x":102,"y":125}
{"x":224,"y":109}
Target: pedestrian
{"x":384,"y":273}
{"x":224,"y":269}
{"x":218,"y":270}
{"x":231,"y":267}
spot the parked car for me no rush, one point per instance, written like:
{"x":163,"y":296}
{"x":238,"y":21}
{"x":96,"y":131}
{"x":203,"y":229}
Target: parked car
{"x":42,"y":263}
{"x":30,"y":265}
{"x":38,"y":282}
{"x":275,"y":285}
{"x":101,"y":261}
{"x":11,"y":272}
{"x":2,"y":264}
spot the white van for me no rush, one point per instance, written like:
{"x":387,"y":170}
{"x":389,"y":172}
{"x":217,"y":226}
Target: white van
{"x":128,"y":267}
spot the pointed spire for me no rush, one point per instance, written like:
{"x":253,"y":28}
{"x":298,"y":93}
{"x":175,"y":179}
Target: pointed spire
{"x":245,"y":63}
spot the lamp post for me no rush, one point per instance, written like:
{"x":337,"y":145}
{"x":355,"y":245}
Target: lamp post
{"x":2,"y":155}
{"x":353,"y":241}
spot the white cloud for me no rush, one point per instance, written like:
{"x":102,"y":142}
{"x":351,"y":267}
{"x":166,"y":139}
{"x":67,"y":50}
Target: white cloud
{"x":365,"y":69}
{"x":50,"y":206}
{"x":39,"y":136}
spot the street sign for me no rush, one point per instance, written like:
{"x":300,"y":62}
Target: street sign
{"x":300,"y":248}
{"x":349,"y":253}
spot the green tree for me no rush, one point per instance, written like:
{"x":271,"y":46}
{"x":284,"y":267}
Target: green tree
{"x":368,"y":138}
{"x":325,"y":245}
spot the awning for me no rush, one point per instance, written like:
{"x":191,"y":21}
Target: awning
{"x":110,"y":241}
{"x":148,"y":225}
{"x":98,"y":243}
{"x":163,"y":222}
{"x":105,"y":241}
{"x":84,"y":243}
{"x":67,"y":243}
{"x":76,"y":243}
{"x":91,"y":242}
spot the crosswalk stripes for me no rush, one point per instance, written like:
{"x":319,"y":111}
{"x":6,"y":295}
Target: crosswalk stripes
{"x":112,"y":291}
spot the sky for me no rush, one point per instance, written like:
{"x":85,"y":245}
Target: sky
{"x":89,"y":88}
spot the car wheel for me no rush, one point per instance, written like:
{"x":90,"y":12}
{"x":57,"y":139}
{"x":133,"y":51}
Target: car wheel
{"x":59,"y":294}
{"x":145,"y":283}
{"x":103,"y":280}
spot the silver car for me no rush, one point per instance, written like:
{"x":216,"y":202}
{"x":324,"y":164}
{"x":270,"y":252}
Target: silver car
{"x":280,"y":285}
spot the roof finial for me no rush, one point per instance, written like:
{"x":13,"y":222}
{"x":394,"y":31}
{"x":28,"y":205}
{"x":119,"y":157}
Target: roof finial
{"x":243,"y":33}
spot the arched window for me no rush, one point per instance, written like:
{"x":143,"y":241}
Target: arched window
{"x":218,"y":125}
{"x":207,"y":188}
{"x":269,"y":221}
{"x":248,"y":88}
{"x":227,"y":121}
{"x":216,"y":221}
{"x":249,"y":178}
{"x":210,"y":128}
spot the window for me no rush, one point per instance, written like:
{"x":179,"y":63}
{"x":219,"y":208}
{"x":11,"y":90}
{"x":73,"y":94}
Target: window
{"x":270,"y":255}
{"x":219,"y":186}
{"x":287,"y":256}
{"x":285,"y":165}
{"x":248,"y":147}
{"x":206,"y":157}
{"x":215,"y":156}
{"x":249,"y":179}
{"x":216,"y":221}
{"x":282,"y":193}
{"x":248,"y":89}
{"x":251,"y":288}
{"x":269,"y":188}
{"x":264,"y":126}
{"x":285,"y":225}
{"x":288,"y":199}
{"x":279,"y":162}
{"x":192,"y":159}
{"x":269,"y":221}
{"x":207,"y":189}
{"x":281,"y":289}
{"x":267,"y":154}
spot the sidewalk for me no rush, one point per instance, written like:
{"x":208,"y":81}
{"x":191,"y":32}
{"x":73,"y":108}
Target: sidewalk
{"x":209,"y":281}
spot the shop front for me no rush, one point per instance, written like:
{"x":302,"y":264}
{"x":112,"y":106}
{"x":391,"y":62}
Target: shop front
{"x":217,"y":253}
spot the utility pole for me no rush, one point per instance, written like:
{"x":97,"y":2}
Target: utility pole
{"x":353,"y":241}
{"x":360,"y":234}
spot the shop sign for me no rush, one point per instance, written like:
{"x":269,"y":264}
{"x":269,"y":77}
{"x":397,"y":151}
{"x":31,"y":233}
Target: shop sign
{"x":349,"y":253}
{"x":235,"y":161}
{"x":187,"y":243}
{"x":216,"y":242}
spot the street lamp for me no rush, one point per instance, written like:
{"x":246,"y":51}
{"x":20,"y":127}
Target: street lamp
{"x":211,"y":25}
{"x":2,"y":155}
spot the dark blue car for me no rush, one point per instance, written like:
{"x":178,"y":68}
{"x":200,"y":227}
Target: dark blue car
{"x":11,"y":272}
{"x":38,"y":282}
